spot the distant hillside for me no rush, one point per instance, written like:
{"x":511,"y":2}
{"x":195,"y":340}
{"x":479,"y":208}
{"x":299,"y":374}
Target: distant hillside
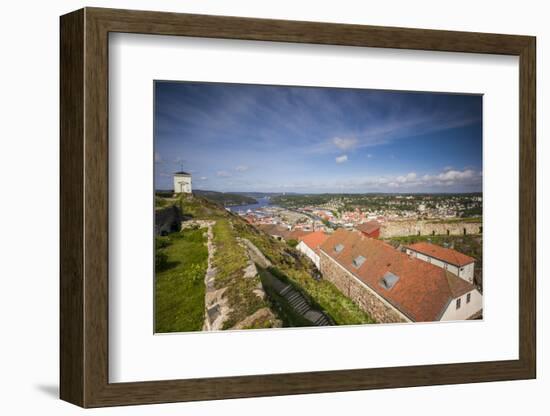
{"x":224,"y":198}
{"x":264,"y":194}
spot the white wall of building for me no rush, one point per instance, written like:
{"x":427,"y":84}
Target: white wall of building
{"x":466,"y":309}
{"x":467,"y":272}
{"x":182,"y":184}
{"x":305,"y":249}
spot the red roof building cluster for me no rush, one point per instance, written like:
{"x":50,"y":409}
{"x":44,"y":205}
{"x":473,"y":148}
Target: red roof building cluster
{"x":441,"y":253}
{"x":421,"y":292}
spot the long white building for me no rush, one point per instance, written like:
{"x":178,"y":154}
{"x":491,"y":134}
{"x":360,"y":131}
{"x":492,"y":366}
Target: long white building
{"x":453,"y":261}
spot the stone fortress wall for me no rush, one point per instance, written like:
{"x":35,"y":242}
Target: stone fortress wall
{"x":406,"y":228}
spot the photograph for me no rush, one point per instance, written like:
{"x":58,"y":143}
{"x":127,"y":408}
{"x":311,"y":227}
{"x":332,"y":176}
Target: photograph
{"x":282,"y":206}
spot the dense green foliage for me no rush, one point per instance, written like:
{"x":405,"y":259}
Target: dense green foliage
{"x":292,"y":243}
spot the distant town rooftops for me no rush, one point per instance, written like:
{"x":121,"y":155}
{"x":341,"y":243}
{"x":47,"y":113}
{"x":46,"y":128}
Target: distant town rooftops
{"x":182,"y":173}
{"x":369,"y":226}
{"x":277,"y":230}
{"x":441,"y":253}
{"x":420,"y":290}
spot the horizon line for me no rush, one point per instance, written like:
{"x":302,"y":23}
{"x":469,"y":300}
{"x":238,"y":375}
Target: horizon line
{"x":331,"y":193}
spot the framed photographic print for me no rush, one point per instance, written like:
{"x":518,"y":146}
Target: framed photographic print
{"x":261,"y":207}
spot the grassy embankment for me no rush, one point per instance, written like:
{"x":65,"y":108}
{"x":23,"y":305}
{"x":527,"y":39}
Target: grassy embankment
{"x":179,"y":287}
{"x":288,"y":264}
{"x":229,"y":260}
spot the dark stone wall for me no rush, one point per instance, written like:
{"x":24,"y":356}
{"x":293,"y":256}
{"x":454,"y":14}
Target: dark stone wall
{"x":167,"y":220}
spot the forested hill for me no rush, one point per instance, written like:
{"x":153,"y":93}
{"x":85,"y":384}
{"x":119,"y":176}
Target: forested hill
{"x":225,"y":198}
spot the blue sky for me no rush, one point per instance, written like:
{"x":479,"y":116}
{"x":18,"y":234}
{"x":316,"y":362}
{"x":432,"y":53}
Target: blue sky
{"x":235,"y":137}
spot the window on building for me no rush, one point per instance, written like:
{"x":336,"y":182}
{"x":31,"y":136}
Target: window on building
{"x":389,"y":280}
{"x":338,"y":248}
{"x":468,"y":297}
{"x":458,"y":303}
{"x":358,"y":261}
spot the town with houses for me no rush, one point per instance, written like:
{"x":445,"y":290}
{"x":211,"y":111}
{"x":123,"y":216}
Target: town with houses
{"x":397,"y":258}
{"x":347,"y":238}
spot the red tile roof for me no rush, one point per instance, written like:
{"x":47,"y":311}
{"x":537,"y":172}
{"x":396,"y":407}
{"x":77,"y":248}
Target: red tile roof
{"x":273,"y":229}
{"x":297,"y":234}
{"x":282,"y":231}
{"x":446,"y":254}
{"x":423,"y":290}
{"x":369,"y":226}
{"x":314,"y":240}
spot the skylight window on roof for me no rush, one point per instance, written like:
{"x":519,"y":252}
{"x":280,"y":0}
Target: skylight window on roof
{"x":358,"y":261}
{"x":338,"y":248}
{"x":389,"y":280}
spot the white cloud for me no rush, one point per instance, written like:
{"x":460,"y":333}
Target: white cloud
{"x":369,"y":156}
{"x":241,"y":168}
{"x":466,"y":179}
{"x":203,"y":178}
{"x":453,"y":175}
{"x":158,"y":158}
{"x":345,"y":143}
{"x":223,"y":174}
{"x":410,"y":177}
{"x":342,"y":159}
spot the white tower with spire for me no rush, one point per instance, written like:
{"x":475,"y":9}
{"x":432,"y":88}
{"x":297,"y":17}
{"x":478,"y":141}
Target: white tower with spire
{"x":182,"y":183}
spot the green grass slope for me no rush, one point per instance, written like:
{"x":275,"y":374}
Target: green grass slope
{"x":179,"y":281}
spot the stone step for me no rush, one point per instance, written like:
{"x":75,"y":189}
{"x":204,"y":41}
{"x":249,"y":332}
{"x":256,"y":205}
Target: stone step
{"x":292,"y":297}
{"x":303,"y":309}
{"x":296,"y":300}
{"x":322,"y":322}
{"x":300,"y":304}
{"x":285,"y":290}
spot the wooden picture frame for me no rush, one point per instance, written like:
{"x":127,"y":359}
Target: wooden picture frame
{"x":84,"y":207}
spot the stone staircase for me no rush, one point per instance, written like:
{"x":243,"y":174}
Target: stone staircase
{"x":299,"y":303}
{"x":296,"y":300}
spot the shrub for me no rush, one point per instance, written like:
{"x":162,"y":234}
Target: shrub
{"x":196,"y":272}
{"x":292,"y":243}
{"x":161,"y":260}
{"x":161,"y":242}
